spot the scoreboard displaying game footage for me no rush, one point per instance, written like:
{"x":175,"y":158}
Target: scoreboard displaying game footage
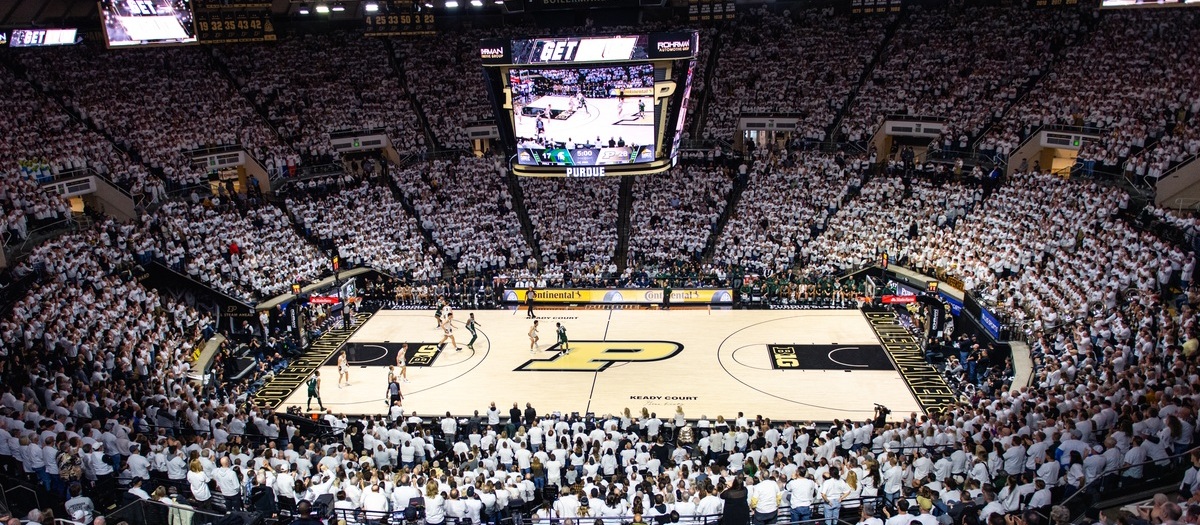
{"x":590,"y":106}
{"x":130,"y":23}
{"x":562,"y":116}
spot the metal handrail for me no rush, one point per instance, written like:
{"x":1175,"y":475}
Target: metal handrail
{"x":1092,"y":486}
{"x":33,"y":493}
{"x":351,"y":132}
{"x":213,"y":150}
{"x":915,"y":118}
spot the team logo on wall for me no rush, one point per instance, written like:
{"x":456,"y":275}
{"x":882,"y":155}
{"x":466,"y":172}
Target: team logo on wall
{"x":596,"y":356}
{"x":828,"y":357}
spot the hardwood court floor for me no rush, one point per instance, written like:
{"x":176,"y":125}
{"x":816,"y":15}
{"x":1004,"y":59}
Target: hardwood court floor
{"x":800,"y":365}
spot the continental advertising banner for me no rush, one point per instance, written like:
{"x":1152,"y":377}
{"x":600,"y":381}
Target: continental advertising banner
{"x":622,"y":296}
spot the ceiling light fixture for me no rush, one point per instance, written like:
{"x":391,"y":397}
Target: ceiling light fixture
{"x":304,"y":10}
{"x":371,"y":7}
{"x":339,"y":7}
{"x":451,"y":4}
{"x":323,"y":9}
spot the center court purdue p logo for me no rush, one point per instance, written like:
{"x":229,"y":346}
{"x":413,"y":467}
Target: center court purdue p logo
{"x":595,"y":356}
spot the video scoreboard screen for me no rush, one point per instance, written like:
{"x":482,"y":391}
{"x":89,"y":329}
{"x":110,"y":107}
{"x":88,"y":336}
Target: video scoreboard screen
{"x":590,"y":106}
{"x":43,"y":37}
{"x":399,"y":18}
{"x":147,"y":22}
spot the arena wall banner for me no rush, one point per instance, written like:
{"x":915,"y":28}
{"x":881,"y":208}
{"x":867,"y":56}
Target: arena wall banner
{"x":622,"y":296}
{"x":956,"y":306}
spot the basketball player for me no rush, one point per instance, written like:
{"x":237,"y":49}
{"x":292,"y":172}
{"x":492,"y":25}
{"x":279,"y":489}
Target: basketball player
{"x":583,"y":103}
{"x":541,"y":127}
{"x":314,"y":390}
{"x":402,"y":363}
{"x":620,"y":100}
{"x":641,"y":112}
{"x":448,"y":333}
{"x":562,"y":338}
{"x":471,"y":326}
{"x":533,"y":336}
{"x":343,"y":369}
{"x":447,"y":311}
{"x":437,"y":313}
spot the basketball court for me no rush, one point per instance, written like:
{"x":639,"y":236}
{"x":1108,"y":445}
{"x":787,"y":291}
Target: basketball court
{"x":805,"y":365}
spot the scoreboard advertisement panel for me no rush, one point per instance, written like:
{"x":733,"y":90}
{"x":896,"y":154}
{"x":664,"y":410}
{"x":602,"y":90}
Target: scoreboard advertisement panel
{"x":42,"y":37}
{"x":590,"y":106}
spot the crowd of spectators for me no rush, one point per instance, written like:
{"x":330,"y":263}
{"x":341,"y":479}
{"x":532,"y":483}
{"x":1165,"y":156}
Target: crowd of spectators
{"x":43,"y":143}
{"x":465,"y":205}
{"x":192,"y":105}
{"x":314,"y":84}
{"x":251,"y":253}
{"x":888,"y":213}
{"x":367,"y":226}
{"x":1131,"y":98}
{"x":445,"y":75}
{"x":789,"y":200}
{"x":574,"y":225}
{"x":803,"y":63}
{"x":676,"y":214}
{"x":966,"y":65}
{"x":1051,"y":252}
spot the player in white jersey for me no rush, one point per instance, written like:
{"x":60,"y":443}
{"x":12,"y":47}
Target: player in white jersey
{"x":448,"y":333}
{"x":533,"y":336}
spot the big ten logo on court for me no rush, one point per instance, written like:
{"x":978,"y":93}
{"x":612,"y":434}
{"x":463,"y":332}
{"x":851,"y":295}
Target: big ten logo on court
{"x":783,"y":357}
{"x":421,"y":354}
{"x":596,"y":356}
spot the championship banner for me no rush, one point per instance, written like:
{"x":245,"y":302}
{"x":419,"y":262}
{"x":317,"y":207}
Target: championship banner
{"x":622,"y":296}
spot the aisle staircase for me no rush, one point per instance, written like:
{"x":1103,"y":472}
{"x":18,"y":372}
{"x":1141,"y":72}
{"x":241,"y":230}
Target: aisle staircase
{"x":518,"y":200}
{"x":431,"y":141}
{"x":259,"y":109}
{"x":701,"y":109}
{"x":831,"y":133}
{"x":448,"y":265}
{"x":731,"y":204}
{"x":624,"y":211}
